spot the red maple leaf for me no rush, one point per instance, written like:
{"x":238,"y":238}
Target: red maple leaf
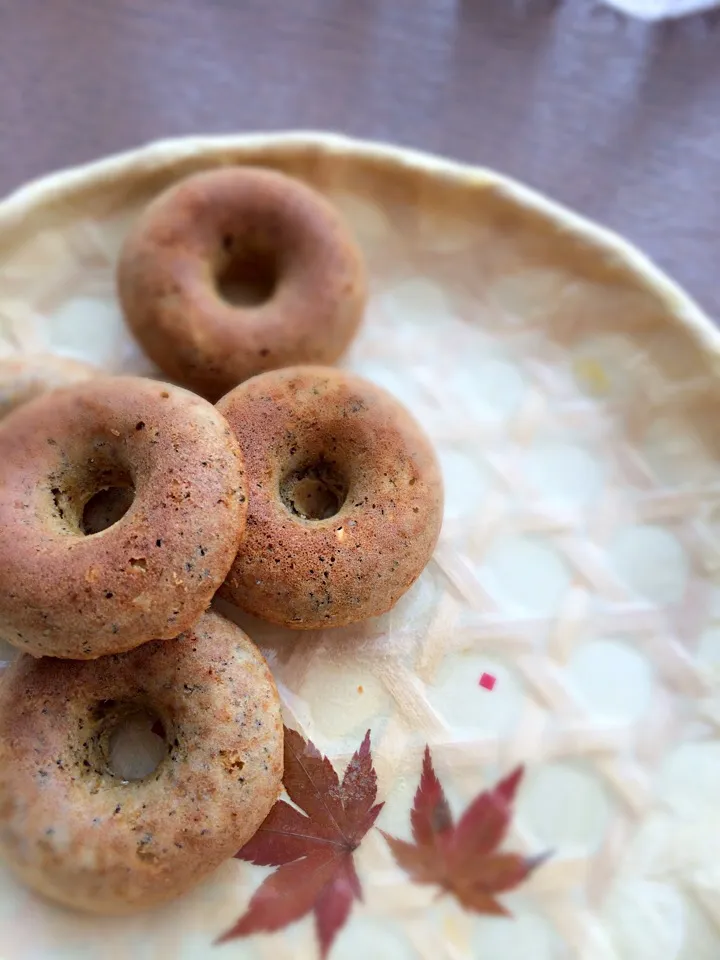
{"x":463,"y":859}
{"x":313,"y":849}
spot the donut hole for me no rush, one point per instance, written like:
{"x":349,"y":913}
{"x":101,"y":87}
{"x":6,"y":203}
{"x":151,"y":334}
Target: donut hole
{"x":133,"y":739}
{"x":105,"y":508}
{"x":88,"y":498}
{"x":314,"y":492}
{"x":248,"y":276}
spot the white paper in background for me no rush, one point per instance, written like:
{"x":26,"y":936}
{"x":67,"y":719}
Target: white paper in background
{"x":661,"y":9}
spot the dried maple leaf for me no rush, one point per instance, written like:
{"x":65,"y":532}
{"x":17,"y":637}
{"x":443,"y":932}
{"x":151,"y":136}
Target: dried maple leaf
{"x":463,"y":859}
{"x":312,"y":849}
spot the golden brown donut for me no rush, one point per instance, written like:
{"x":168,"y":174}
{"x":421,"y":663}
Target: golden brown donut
{"x":25,"y":377}
{"x":236,"y":271}
{"x":65,"y":593}
{"x":344,"y":498}
{"x":76,"y":832}
{"x":22,"y":378}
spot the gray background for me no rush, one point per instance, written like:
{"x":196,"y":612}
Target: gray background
{"x":614,"y":117}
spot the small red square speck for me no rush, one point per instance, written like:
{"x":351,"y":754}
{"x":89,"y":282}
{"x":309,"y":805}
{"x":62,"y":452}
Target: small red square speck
{"x":488,"y":681}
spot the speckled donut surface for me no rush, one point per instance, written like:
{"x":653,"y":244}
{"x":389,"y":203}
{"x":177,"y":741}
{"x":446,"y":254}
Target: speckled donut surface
{"x":84,"y":837}
{"x":26,"y":377}
{"x":326,"y":443}
{"x":67,"y":594}
{"x":250,"y":222}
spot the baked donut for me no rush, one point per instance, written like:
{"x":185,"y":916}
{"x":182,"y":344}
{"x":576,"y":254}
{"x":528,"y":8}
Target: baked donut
{"x":344,"y":498}
{"x":74,"y":830}
{"x":25,"y":377}
{"x":68,"y":592}
{"x":236,"y":271}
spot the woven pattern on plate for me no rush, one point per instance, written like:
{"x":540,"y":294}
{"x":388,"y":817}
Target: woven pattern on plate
{"x":573,"y":396}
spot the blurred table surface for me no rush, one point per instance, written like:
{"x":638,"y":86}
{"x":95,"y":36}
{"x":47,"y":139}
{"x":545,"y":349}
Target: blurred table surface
{"x":616,"y":118}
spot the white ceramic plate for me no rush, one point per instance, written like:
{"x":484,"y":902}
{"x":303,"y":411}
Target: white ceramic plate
{"x":573,"y":394}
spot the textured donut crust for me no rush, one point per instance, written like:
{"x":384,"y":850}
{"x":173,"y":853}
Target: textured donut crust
{"x":24,"y":378}
{"x":307,"y":574}
{"x":85,"y":838}
{"x":170,"y":262}
{"x":155,"y":571}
